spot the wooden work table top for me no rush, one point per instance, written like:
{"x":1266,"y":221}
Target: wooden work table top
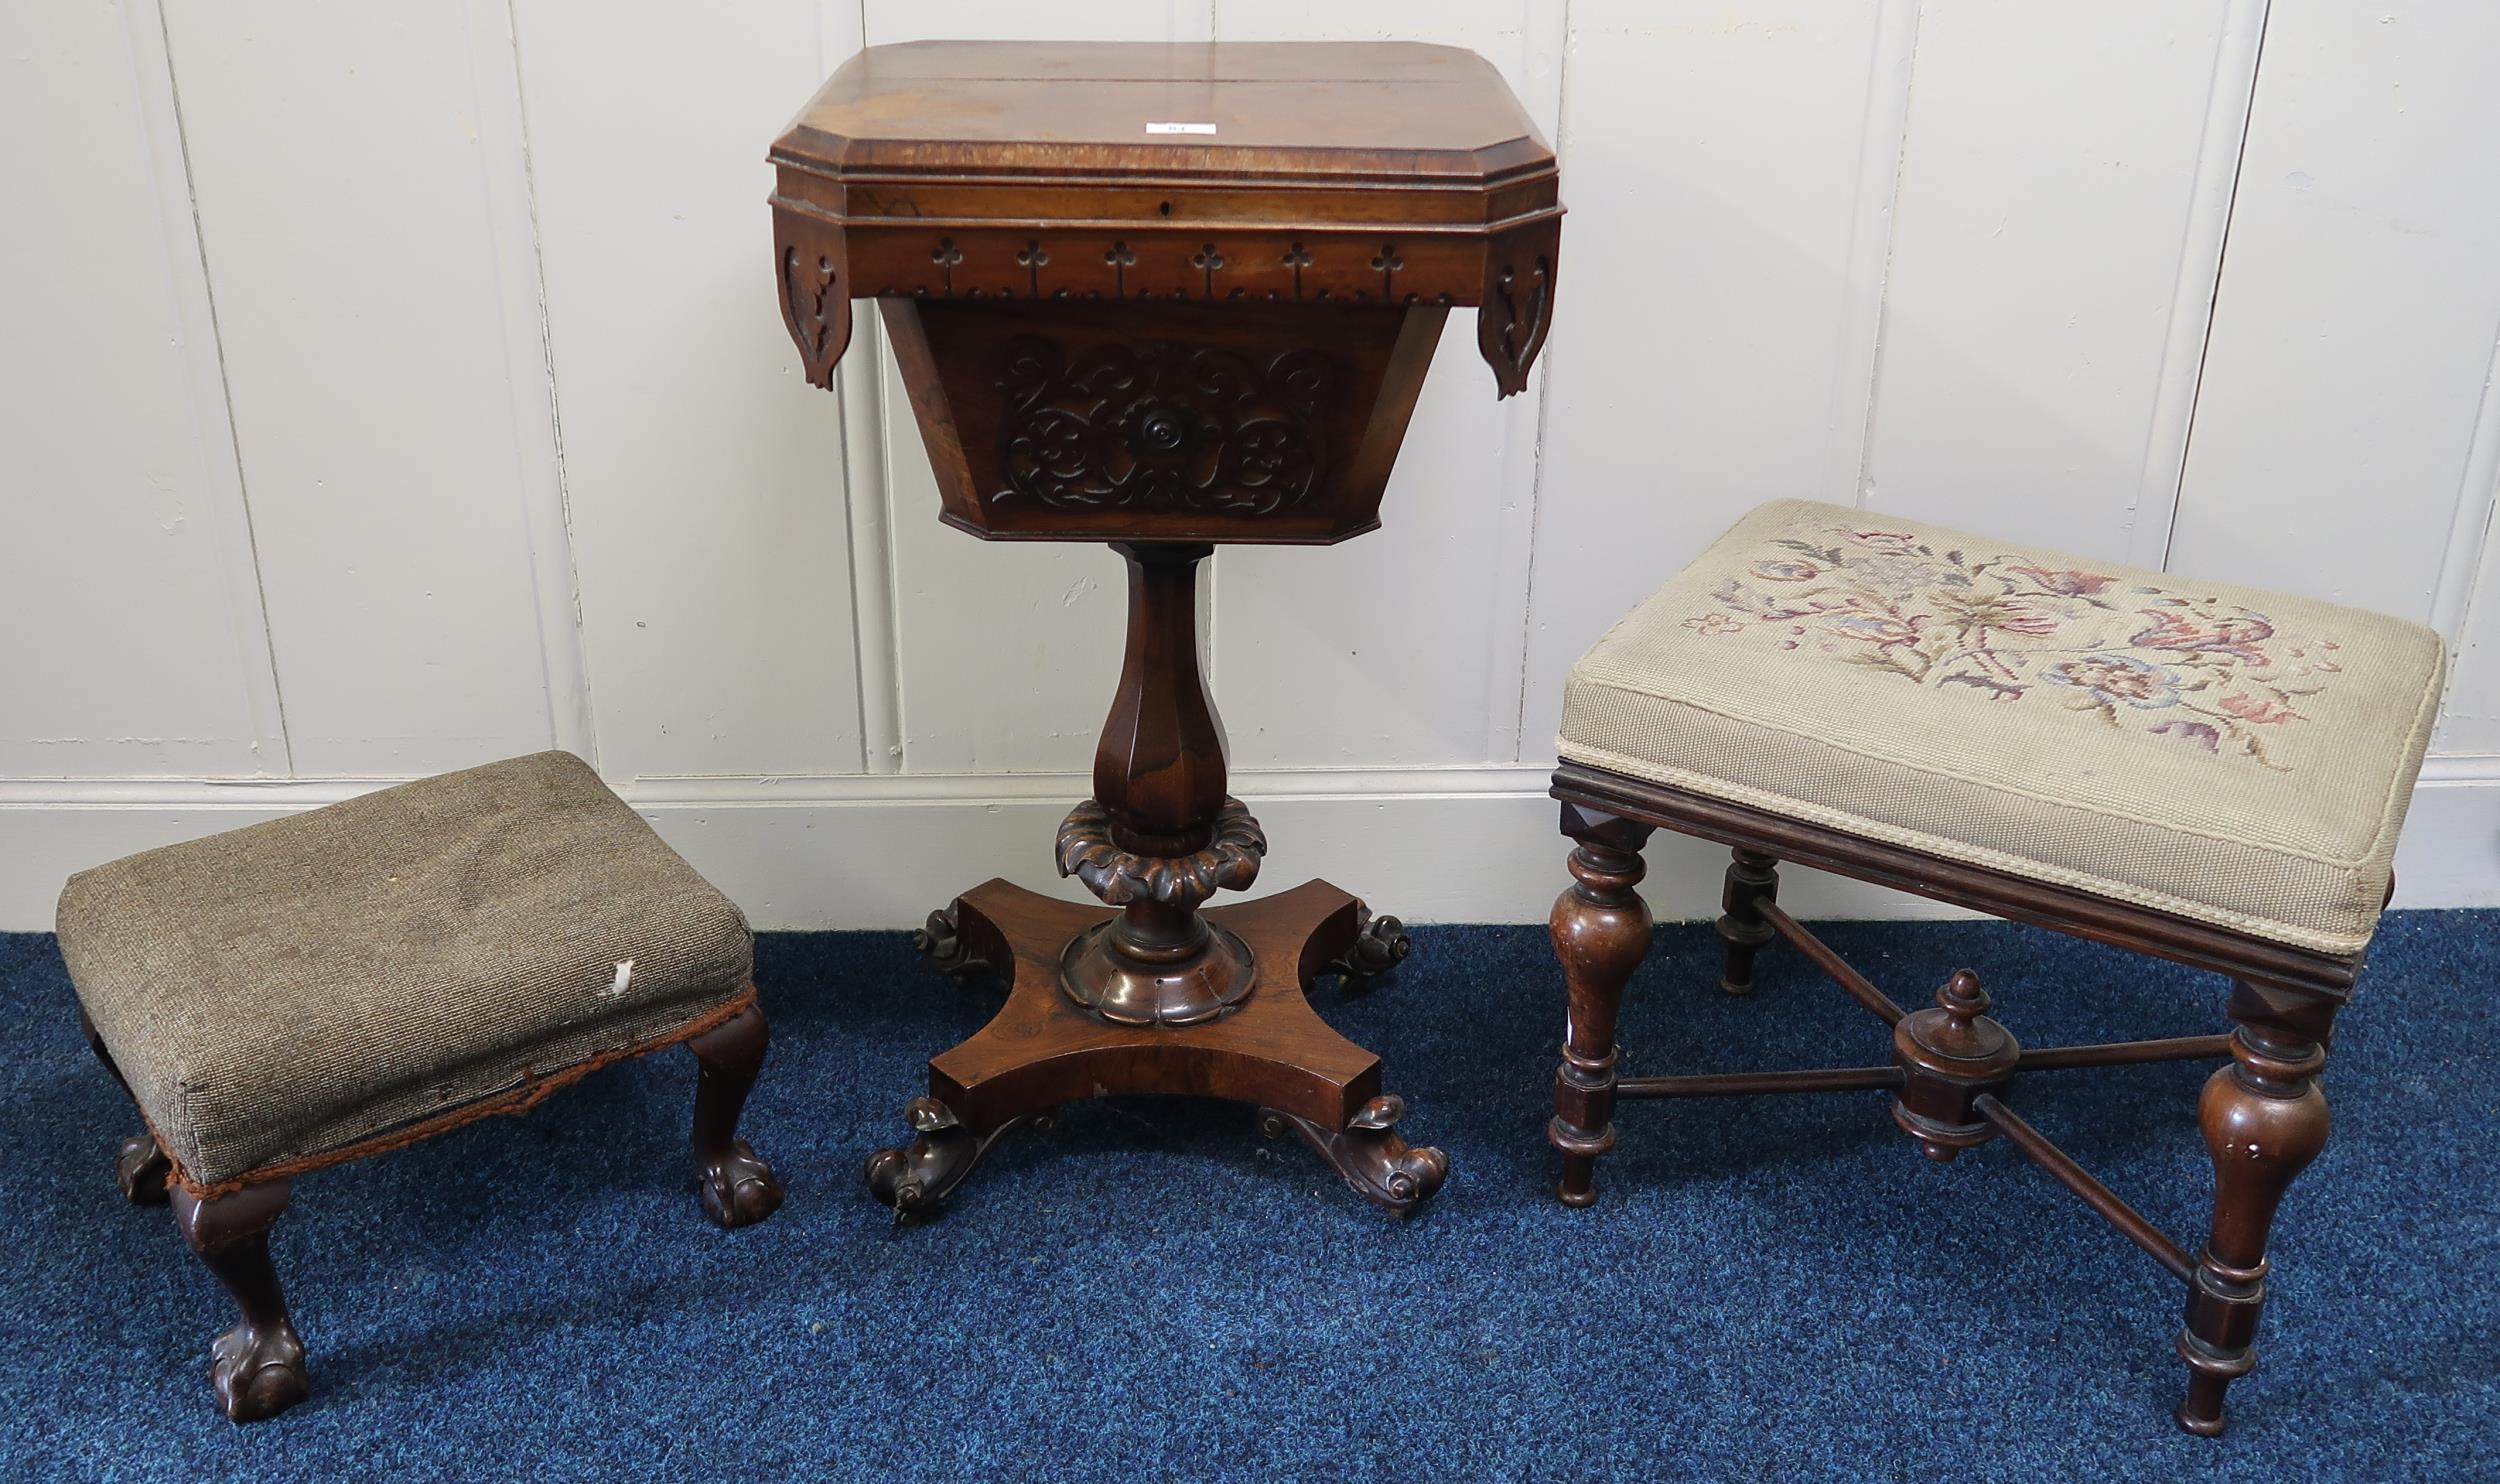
{"x":1343,"y":175}
{"x":1353,"y":114}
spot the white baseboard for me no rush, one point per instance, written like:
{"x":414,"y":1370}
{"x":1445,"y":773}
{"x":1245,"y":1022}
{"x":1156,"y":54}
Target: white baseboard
{"x":1463,"y":844}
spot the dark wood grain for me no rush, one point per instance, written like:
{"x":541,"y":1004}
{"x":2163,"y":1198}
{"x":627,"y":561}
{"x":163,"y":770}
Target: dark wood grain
{"x":737,"y":1187}
{"x":1164,"y":338}
{"x":1274,"y":424}
{"x":1384,"y":175}
{"x":2079,"y":914}
{"x":1042,"y":1049}
{"x":1951,"y":1054}
{"x":258,"y":1365}
{"x":1160,"y":837}
{"x":1601,"y":931}
{"x":1752,"y":881}
{"x":1954,"y":1067}
{"x":1285,"y":112}
{"x":2264,"y":1119}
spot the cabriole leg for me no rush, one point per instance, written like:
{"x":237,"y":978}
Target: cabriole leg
{"x":1601,"y":930}
{"x":257,"y":1366}
{"x":141,"y":1170}
{"x":737,"y":1186}
{"x":2264,"y":1119}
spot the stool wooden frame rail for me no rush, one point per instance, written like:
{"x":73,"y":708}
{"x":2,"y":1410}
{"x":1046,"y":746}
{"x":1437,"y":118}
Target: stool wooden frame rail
{"x":2264,"y":1116}
{"x":258,"y":1366}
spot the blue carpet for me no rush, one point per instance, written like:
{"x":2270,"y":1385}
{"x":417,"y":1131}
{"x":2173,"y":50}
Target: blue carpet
{"x":1772,"y":1288}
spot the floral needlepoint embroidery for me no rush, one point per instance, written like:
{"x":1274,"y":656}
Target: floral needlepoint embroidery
{"x":2117,"y":680}
{"x":2070,"y":583}
{"x":2200,"y":733}
{"x":2236,"y":636}
{"x":2261,"y":712}
{"x":2140,"y":657}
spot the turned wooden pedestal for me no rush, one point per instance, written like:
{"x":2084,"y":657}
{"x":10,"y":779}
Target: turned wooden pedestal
{"x":1164,"y":297}
{"x":1045,"y":1049}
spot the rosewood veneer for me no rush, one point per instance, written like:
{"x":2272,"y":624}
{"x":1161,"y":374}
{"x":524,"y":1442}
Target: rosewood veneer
{"x":1164,"y":298}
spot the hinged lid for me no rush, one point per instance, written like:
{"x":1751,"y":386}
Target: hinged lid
{"x":1375,"y":115}
{"x":1380,"y":173}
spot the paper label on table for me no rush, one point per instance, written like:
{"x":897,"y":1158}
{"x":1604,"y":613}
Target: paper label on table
{"x":1180,"y":128}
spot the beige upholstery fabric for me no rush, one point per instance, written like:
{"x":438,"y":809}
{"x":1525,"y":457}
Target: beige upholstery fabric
{"x":2239,"y":757}
{"x":291,"y":988}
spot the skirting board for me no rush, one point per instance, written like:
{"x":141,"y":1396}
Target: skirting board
{"x":1468,"y":844}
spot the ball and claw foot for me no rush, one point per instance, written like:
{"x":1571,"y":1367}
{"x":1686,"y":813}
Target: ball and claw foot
{"x":1380,"y":944}
{"x":1381,"y":1167}
{"x":258,"y":1372}
{"x":140,"y":1169}
{"x":258,"y":1365}
{"x":739,"y":1188}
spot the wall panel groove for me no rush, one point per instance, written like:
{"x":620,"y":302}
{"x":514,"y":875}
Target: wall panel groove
{"x":1883,"y":151}
{"x":707,"y":479}
{"x":382,"y":371}
{"x":1416,"y":634}
{"x":841,"y":30}
{"x":1546,"y":25}
{"x":1712,"y":158}
{"x":2465,"y":607}
{"x":2202,"y":253}
{"x":195,"y":300}
{"x":529,"y":350}
{"x":2461,"y":570}
{"x":130,"y":601}
{"x":2063,"y":180}
{"x":2352,"y":335}
{"x":367,"y":314}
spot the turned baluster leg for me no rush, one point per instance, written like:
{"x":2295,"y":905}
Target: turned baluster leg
{"x":737,"y":1186}
{"x":2264,"y":1119}
{"x":1160,"y":837}
{"x":1601,"y":930}
{"x":257,"y":1366}
{"x":1752,"y":878}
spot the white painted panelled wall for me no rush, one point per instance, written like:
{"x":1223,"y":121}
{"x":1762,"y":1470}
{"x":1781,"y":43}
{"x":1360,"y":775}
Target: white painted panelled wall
{"x":391,"y":388}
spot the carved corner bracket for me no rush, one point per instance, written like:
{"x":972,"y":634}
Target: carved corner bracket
{"x":1230,"y":861}
{"x":813,"y":263}
{"x":1517,"y":307}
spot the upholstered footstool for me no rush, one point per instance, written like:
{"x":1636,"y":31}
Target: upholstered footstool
{"x":2208,"y":774}
{"x":349,"y":980}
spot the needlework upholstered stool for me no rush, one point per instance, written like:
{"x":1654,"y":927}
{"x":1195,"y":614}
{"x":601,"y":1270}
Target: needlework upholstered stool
{"x":349,"y":980}
{"x":2209,"y":774}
